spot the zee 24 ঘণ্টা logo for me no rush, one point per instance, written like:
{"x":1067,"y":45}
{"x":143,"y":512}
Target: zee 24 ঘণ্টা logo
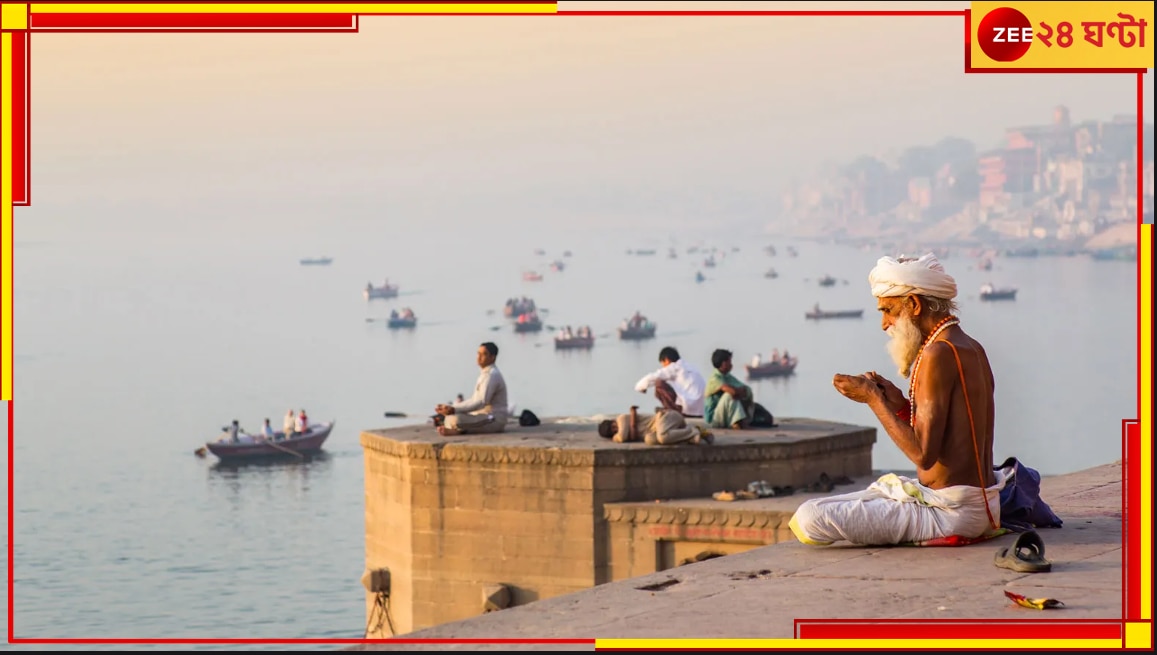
{"x":1005,"y":34}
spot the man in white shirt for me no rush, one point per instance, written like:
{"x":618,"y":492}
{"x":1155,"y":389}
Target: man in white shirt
{"x":485,"y":412}
{"x":678,"y":385}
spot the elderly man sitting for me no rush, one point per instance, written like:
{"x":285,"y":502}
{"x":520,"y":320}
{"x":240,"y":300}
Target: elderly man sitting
{"x":944,"y":426}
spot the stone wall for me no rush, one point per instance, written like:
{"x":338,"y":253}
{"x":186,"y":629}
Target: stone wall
{"x":525,"y":509}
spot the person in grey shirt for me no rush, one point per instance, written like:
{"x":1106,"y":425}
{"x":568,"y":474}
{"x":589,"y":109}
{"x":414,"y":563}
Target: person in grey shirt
{"x":484,"y":412}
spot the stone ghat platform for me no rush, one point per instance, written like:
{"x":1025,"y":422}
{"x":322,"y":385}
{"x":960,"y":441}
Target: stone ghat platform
{"x":470,"y":522}
{"x":761,"y":592}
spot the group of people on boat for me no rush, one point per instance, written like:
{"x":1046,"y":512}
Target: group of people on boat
{"x":385,"y":285}
{"x":405,"y":315}
{"x":528,"y":317}
{"x":783,"y":360}
{"x":519,"y":306}
{"x":293,"y":425}
{"x":636,"y":322}
{"x":566,"y":334}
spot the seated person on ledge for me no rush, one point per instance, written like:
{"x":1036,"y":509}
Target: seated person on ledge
{"x":665,"y":427}
{"x":729,"y":403}
{"x":484,"y":412}
{"x":945,"y":427}
{"x":678,"y":385}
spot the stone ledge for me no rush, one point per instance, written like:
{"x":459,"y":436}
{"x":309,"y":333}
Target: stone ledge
{"x":757,"y":513}
{"x":760,"y":593}
{"x":564,"y":442}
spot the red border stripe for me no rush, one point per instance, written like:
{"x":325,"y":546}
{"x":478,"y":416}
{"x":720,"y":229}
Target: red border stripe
{"x":940,"y":630}
{"x":165,"y":21}
{"x":1132,"y":521}
{"x":20,"y":113}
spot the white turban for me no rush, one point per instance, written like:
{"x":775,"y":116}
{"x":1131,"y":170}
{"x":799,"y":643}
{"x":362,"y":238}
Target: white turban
{"x":922,"y":277}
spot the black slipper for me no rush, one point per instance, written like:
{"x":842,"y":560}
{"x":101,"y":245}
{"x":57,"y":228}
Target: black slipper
{"x":1025,"y":555}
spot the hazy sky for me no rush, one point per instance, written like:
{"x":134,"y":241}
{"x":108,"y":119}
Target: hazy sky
{"x":511,"y":117}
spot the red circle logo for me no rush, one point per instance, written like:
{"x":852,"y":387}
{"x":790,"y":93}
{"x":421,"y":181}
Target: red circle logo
{"x":1004,"y":34}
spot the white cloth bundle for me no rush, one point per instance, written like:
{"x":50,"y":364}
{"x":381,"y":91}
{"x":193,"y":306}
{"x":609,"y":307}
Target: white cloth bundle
{"x":896,"y":510}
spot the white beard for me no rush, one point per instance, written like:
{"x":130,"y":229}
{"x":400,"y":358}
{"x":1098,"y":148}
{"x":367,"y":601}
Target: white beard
{"x":905,"y":344}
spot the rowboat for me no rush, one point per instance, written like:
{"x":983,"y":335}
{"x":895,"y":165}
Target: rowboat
{"x":387,"y":291}
{"x":302,"y":444}
{"x":533,"y":325}
{"x":817,"y":314}
{"x":827,"y":281}
{"x":317,"y":261}
{"x":646,"y":331}
{"x":771,"y":274}
{"x":988,"y":293}
{"x":574,"y":343}
{"x":771,"y":369}
{"x":400,"y":323}
{"x":531,"y":276}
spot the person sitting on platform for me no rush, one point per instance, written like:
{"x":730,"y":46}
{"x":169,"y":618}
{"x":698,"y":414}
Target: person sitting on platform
{"x":729,"y":403}
{"x":944,"y":426}
{"x":678,"y":385}
{"x":665,"y":427}
{"x":486,"y":411}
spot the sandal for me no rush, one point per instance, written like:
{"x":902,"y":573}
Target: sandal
{"x":1025,"y":555}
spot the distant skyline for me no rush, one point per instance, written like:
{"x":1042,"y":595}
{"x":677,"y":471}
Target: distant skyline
{"x":512,"y":120}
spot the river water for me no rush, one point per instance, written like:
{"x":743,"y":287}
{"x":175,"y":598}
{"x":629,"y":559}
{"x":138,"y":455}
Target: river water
{"x":127,"y":358}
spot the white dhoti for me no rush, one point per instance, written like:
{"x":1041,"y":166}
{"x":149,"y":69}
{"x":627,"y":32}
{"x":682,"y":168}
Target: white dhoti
{"x":899,"y":510}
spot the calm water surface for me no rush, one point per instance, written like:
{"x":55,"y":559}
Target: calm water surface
{"x":130,"y":357}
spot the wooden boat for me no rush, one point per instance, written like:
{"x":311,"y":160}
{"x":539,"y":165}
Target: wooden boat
{"x":984,"y":265}
{"x":827,"y":281}
{"x":771,"y":274}
{"x":317,"y":261}
{"x":533,"y":325}
{"x":386,"y":291}
{"x":531,"y":276}
{"x":557,"y":266}
{"x":817,"y":314}
{"x":574,"y":343}
{"x":299,"y":445}
{"x":771,"y":369}
{"x":645,"y":331}
{"x":989,"y":293}
{"x":709,"y":262}
{"x":643,"y":253}
{"x":400,"y":323}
